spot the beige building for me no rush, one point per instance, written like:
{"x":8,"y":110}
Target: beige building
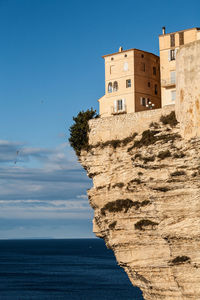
{"x":169,"y":43}
{"x":132,"y":82}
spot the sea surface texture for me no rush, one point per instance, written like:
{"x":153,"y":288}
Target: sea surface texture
{"x":77,"y":269}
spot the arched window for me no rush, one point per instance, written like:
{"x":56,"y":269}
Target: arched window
{"x":110,"y":87}
{"x":115,"y":86}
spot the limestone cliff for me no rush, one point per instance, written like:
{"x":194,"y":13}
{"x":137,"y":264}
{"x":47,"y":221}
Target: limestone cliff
{"x":146,"y":201}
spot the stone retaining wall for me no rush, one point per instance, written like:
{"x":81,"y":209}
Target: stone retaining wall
{"x":122,"y":126}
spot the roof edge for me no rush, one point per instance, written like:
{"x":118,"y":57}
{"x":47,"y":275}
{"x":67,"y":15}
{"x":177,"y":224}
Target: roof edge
{"x":197,"y":28}
{"x":132,"y":49}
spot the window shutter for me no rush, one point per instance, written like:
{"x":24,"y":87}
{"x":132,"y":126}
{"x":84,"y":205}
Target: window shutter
{"x":115,"y":106}
{"x":175,"y":52}
{"x":173,"y":95}
{"x":123,"y":104}
{"x":169,"y":55}
{"x":173,"y":76}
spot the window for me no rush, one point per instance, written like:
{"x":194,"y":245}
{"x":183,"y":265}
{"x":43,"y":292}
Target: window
{"x":173,"y":76}
{"x":181,"y":38}
{"x":125,"y":55}
{"x":156,"y":89}
{"x":115,"y":86}
{"x":128,"y":83}
{"x":172,"y":54}
{"x":154,"y":70}
{"x":172,"y":40}
{"x":119,"y":105}
{"x":143,"y":67}
{"x":110,"y":87}
{"x":149,"y":84}
{"x":173,"y":95}
{"x":142,"y":55}
{"x":112,"y":58}
{"x":143,"y":101}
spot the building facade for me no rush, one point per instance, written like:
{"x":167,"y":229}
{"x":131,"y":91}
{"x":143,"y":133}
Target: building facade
{"x":132,"y":82}
{"x":169,"y":43}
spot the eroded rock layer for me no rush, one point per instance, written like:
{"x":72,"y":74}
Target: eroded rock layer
{"x":146,"y":201}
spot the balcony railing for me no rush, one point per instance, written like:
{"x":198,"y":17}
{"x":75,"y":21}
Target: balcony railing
{"x":117,"y":110}
{"x":167,"y":83}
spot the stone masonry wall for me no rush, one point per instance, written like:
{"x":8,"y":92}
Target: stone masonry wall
{"x":116,"y":127}
{"x":188,"y":89}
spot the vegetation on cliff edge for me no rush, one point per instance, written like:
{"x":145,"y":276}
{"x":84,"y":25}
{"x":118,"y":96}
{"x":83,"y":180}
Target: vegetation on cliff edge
{"x":169,"y":119}
{"x":79,"y":130}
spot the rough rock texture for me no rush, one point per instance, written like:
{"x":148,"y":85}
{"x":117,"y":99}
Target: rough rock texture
{"x":188,"y":89}
{"x":118,"y":126}
{"x":146,"y":201}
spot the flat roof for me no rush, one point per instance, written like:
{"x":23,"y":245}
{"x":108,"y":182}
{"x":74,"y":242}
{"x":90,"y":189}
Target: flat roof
{"x":132,"y":49}
{"x":197,"y":28}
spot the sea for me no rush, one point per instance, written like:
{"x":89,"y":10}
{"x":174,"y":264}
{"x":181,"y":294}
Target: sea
{"x":74,"y":269}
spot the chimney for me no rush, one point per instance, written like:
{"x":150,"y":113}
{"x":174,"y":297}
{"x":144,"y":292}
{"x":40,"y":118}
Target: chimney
{"x":163,"y":30}
{"x":120,"y":49}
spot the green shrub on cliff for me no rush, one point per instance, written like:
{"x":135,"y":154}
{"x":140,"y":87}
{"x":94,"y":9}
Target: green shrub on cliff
{"x":79,"y":130}
{"x":169,"y":119}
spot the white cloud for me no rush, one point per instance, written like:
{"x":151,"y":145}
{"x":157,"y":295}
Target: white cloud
{"x":55,"y":188}
{"x":82,"y":196}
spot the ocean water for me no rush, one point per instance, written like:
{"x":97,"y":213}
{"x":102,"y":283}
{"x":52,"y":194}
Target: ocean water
{"x":77,"y":269}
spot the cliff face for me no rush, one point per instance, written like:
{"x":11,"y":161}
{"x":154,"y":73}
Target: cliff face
{"x":146,"y":201}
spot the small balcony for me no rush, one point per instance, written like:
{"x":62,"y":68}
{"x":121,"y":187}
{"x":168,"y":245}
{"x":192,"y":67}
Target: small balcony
{"x":118,"y":110}
{"x":168,"y":83}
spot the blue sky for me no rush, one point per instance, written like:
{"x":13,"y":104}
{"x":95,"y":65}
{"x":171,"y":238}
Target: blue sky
{"x":50,"y":69}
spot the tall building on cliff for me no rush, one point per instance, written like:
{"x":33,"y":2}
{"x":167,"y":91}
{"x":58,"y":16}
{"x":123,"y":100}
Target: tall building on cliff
{"x":169,"y":43}
{"x":132,"y":82}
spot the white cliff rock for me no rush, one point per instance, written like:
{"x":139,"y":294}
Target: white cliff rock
{"x":146,"y":201}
